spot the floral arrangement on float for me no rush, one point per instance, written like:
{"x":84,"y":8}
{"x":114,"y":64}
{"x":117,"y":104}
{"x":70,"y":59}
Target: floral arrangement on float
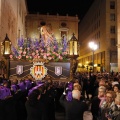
{"x":37,"y":49}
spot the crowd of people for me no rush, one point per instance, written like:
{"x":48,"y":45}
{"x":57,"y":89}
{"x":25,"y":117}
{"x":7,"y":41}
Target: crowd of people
{"x":28,"y":99}
{"x":103,"y":92}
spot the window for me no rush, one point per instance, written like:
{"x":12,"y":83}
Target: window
{"x":113,"y":57}
{"x":63,"y":24}
{"x":99,"y":12}
{"x":63,"y":33}
{"x":112,"y":17}
{"x":112,"y":29}
{"x":98,"y":45}
{"x":112,"y":4}
{"x":42,"y":23}
{"x":113,"y":42}
{"x":99,"y":34}
{"x":99,"y":23}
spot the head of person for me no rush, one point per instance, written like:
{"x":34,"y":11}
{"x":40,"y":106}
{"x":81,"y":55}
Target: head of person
{"x":116,"y":88}
{"x":77,"y":87}
{"x":76,"y":81}
{"x":15,"y":81}
{"x":117,"y":100}
{"x":110,"y":96}
{"x":76,"y":94}
{"x":34,"y":97}
{"x":101,"y":91}
{"x":50,"y":82}
{"x":102,"y":82}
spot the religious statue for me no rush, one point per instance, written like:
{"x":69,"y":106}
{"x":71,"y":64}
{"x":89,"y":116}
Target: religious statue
{"x":46,"y":33}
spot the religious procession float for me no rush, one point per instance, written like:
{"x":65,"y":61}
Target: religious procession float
{"x":41,"y":57}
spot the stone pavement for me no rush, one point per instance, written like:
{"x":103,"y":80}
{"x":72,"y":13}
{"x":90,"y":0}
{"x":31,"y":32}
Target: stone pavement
{"x":60,"y":116}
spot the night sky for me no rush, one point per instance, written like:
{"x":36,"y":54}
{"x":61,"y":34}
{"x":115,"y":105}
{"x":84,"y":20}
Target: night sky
{"x":62,"y":7}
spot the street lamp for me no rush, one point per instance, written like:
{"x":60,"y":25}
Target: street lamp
{"x":73,"y":54}
{"x":6,"y":52}
{"x":93,"y":47}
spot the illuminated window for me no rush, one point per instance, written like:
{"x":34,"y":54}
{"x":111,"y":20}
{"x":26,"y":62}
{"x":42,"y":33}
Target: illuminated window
{"x":63,"y":33}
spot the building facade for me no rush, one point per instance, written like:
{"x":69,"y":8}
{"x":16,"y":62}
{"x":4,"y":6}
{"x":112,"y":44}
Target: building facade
{"x":118,"y":32}
{"x":12,"y":20}
{"x":99,"y":25}
{"x":58,"y":25}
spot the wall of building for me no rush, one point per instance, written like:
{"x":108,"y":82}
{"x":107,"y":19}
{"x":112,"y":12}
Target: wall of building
{"x":12,"y":19}
{"x":118,"y":33}
{"x":96,"y":26}
{"x":59,"y":24}
{"x":22,"y":12}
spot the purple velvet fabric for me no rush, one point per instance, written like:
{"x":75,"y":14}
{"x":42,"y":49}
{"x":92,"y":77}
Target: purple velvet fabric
{"x":69,"y":91}
{"x":69,"y":96}
{"x":70,"y":86}
{"x":36,"y":87}
{"x":22,"y":86}
{"x":4,"y":92}
{"x":28,"y":84}
{"x":14,"y":88}
{"x":38,"y":82}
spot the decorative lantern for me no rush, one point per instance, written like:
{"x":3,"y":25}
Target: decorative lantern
{"x":73,"y":54}
{"x":6,"y":47}
{"x":6,"y":53}
{"x":73,"y":46}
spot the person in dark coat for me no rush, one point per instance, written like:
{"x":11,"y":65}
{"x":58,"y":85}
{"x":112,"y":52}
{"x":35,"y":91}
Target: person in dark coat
{"x":74,"y":109}
{"x":9,"y":108}
{"x":35,"y":108}
{"x":50,"y":102}
{"x":100,"y":83}
{"x":97,"y":101}
{"x":118,"y":117}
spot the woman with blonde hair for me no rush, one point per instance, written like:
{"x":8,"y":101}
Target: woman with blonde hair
{"x":108,"y":108}
{"x":97,"y":101}
{"x":77,"y":86}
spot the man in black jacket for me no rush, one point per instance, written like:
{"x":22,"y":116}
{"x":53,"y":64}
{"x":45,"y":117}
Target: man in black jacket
{"x":74,"y":109}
